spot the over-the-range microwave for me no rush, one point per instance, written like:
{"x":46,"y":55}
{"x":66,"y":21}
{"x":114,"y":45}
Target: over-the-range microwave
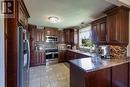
{"x":51,"y":39}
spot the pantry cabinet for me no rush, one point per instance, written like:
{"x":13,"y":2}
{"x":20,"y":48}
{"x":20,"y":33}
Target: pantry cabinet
{"x":36,"y":38}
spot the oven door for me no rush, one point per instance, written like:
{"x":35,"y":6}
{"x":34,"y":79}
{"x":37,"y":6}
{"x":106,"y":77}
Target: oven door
{"x":49,"y":56}
{"x":52,"y":55}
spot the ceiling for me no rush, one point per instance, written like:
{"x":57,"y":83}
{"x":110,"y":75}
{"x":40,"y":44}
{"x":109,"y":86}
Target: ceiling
{"x":71,"y":12}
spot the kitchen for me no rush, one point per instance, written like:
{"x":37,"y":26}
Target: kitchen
{"x":59,"y":52}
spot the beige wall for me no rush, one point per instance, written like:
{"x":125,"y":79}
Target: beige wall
{"x":128,"y":48}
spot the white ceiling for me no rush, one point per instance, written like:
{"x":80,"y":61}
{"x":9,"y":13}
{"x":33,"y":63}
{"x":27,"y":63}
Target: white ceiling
{"x":120,"y":2}
{"x":71,"y":12}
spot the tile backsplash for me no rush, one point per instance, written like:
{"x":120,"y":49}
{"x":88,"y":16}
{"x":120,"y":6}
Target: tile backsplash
{"x":50,"y":45}
{"x":118,"y":51}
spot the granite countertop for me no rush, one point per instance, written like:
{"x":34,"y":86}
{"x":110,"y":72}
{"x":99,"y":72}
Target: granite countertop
{"x":80,"y":52}
{"x":87,"y":65}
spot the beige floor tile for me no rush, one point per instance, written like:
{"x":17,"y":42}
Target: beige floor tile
{"x":50,"y":76}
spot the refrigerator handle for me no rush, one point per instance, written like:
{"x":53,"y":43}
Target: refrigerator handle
{"x":28,"y":46}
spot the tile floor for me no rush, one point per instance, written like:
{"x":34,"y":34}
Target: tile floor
{"x":56,"y":75}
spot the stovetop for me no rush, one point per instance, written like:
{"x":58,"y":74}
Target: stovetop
{"x":51,"y":50}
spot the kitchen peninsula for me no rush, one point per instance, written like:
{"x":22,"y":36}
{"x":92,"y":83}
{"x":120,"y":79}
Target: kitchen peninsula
{"x":106,"y":73}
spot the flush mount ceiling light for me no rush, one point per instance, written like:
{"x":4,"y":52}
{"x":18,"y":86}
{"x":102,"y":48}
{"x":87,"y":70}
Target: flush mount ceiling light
{"x":54,"y":19}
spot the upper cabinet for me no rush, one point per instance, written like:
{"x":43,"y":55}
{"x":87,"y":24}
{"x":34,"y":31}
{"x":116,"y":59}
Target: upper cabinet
{"x":23,"y":14}
{"x":51,"y":31}
{"x":71,"y":36}
{"x":61,"y":36}
{"x":113,"y":29}
{"x":36,"y":34}
{"x":117,"y":26}
{"x":100,"y":28}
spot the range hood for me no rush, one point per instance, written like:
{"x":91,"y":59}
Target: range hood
{"x":120,"y":2}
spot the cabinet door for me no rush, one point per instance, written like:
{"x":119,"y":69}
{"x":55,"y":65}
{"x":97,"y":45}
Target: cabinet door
{"x":66,"y":36}
{"x":113,"y":28}
{"x":103,"y":33}
{"x":71,"y":37}
{"x":51,"y":31}
{"x":61,"y":36}
{"x":120,"y":75}
{"x":42,"y":35}
{"x":76,"y":37}
{"x":117,"y":26}
{"x":62,"y":57}
{"x":100,"y":78}
{"x":95,"y":27}
{"x":100,"y":28}
{"x":36,"y":58}
{"x":39,"y":58}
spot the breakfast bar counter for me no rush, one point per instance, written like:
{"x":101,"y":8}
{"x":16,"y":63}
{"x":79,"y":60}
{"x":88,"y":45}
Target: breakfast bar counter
{"x":105,"y":73}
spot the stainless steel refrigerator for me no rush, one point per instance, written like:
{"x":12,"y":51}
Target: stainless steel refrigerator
{"x":23,"y":57}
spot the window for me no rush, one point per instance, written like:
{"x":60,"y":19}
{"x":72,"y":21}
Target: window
{"x":85,"y":37}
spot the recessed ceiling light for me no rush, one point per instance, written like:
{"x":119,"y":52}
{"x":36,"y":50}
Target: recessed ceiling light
{"x":54,"y":19}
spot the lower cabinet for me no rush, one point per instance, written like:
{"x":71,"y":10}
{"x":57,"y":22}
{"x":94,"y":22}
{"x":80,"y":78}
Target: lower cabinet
{"x":74,"y":55}
{"x":37,"y":58}
{"x":100,"y":78}
{"x":66,"y":55}
{"x":115,"y":76}
{"x":62,"y":56}
{"x":120,"y":75}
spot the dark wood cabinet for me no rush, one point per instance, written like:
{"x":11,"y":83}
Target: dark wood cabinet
{"x":71,"y":36}
{"x":80,"y":78}
{"x":37,"y":59}
{"x":66,"y":55}
{"x":36,"y":37}
{"x":100,"y":28}
{"x":114,"y":76}
{"x":51,"y":31}
{"x":62,"y":56}
{"x":120,"y":75}
{"x":67,"y":36}
{"x":100,"y":78}
{"x":117,"y":26}
{"x":70,"y":55}
{"x":11,"y":24}
{"x":23,"y":14}
{"x":114,"y":28}
{"x":76,"y":37}
{"x":77,"y":77}
{"x":61,"y":39}
{"x":40,"y":35}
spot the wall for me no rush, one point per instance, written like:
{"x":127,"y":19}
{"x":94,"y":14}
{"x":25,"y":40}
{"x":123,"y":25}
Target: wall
{"x":2,"y":52}
{"x":128,"y":48}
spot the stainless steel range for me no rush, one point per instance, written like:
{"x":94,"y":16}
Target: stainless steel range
{"x":51,"y":56}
